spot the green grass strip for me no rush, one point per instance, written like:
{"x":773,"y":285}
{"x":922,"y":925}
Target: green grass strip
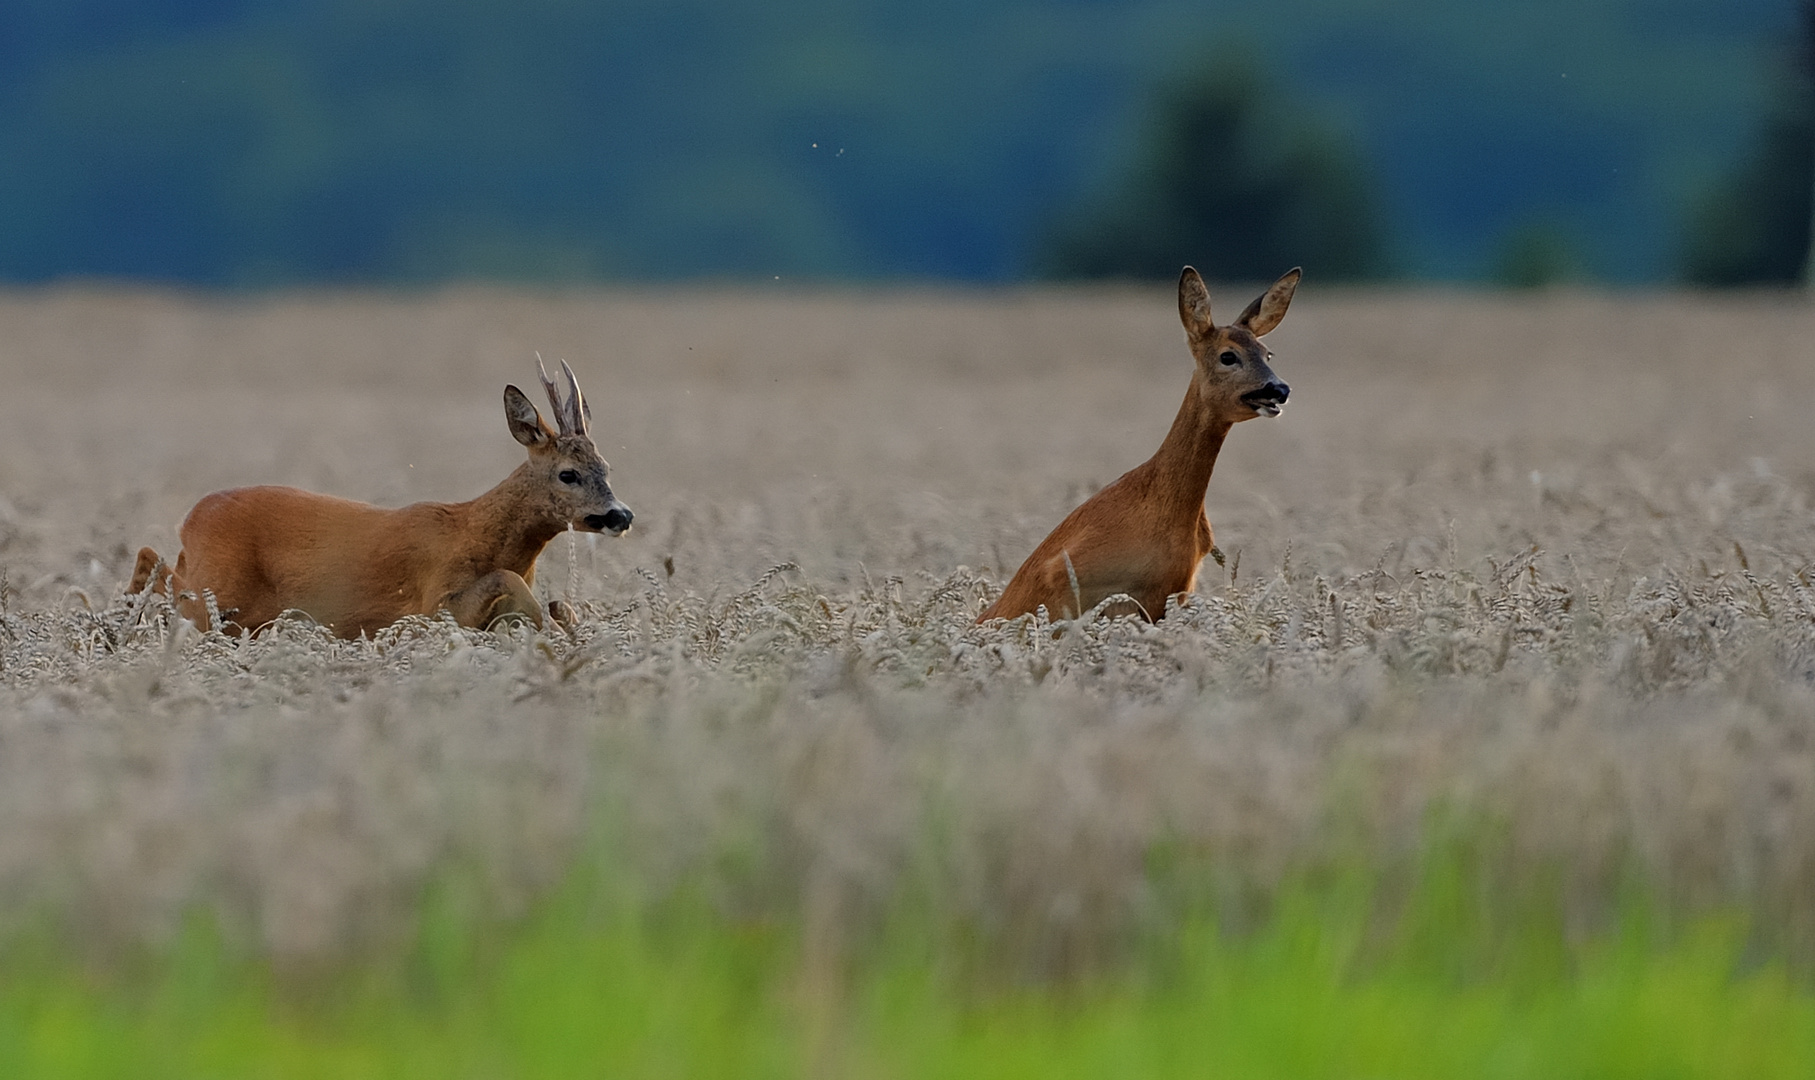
{"x":682,"y":992}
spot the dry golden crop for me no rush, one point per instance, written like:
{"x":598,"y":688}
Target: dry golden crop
{"x":1539,"y":561}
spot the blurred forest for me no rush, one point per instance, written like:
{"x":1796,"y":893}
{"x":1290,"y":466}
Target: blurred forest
{"x":1755,"y":226}
{"x":253,"y":142}
{"x":1232,"y":178}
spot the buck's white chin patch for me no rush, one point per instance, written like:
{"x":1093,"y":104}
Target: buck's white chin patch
{"x":1267,"y":408}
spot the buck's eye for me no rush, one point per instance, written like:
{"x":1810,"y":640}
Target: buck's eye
{"x":1229,"y":359}
{"x":568,"y":476}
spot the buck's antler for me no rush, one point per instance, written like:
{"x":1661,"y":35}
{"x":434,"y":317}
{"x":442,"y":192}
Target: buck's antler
{"x":573,"y":416}
{"x":582,"y":412}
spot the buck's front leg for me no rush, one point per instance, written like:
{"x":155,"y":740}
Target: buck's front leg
{"x":498,"y":595}
{"x":150,"y":569}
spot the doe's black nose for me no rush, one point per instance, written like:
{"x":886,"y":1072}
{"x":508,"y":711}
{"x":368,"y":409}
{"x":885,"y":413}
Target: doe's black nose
{"x":1274,"y":393}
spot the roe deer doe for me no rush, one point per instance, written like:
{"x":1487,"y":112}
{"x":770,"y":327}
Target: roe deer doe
{"x":1146,"y":534}
{"x":356,"y":568}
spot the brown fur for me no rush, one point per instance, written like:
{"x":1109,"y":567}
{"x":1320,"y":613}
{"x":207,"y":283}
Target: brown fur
{"x":1146,"y":534}
{"x":357,"y":568}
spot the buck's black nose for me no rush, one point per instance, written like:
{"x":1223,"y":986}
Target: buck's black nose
{"x":615,"y":520}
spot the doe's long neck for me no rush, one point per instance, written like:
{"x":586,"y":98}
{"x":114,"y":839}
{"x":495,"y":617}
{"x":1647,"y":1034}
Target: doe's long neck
{"x":1182,"y":466}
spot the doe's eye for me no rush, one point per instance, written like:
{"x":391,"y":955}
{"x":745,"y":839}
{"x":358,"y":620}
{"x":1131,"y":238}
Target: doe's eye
{"x":1230,"y":359}
{"x":568,"y":476}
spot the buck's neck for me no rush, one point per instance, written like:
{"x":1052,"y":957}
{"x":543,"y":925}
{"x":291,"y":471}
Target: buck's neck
{"x":510,"y":526}
{"x":1180,"y":469}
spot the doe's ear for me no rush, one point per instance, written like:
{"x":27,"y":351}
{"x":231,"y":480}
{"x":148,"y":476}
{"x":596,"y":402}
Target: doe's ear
{"x":1270,"y":307}
{"x":1194,"y":304}
{"x":525,"y":422}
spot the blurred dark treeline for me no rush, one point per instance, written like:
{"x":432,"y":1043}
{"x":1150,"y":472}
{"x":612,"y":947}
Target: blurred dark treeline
{"x":1230,"y":177}
{"x":1754,"y":226}
{"x":257,"y":142}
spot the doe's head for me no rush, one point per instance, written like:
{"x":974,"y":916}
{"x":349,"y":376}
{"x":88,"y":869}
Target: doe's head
{"x":563,"y":461}
{"x":1234,"y":374}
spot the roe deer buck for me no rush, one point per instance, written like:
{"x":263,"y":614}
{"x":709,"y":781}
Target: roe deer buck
{"x":356,"y":568}
{"x":1146,"y":534}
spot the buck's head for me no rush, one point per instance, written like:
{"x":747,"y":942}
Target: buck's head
{"x":563,"y":462}
{"x":1233,"y":375}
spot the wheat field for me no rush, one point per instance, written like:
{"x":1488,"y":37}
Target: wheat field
{"x":1537,"y":563}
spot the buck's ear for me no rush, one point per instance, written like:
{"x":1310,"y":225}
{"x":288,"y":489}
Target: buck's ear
{"x":525,"y":422}
{"x":1270,"y":307}
{"x":1194,"y":304}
